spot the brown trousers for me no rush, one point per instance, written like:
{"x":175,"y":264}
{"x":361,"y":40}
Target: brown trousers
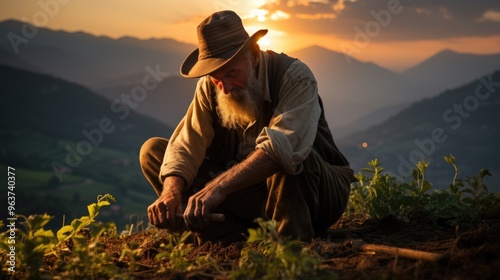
{"x":304,"y":204}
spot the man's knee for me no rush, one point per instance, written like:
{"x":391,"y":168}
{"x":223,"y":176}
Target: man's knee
{"x":153,"y":147}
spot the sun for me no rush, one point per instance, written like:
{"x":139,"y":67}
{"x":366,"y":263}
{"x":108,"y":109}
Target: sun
{"x":271,"y":40}
{"x":265,"y":42}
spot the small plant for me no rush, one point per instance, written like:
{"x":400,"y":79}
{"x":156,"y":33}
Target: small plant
{"x":464,"y":202}
{"x":379,"y":194}
{"x":130,"y":253}
{"x":74,"y":230}
{"x":33,"y":242}
{"x":419,"y":187}
{"x":82,"y":253}
{"x":175,"y":251}
{"x":267,"y":256}
{"x":87,"y":261}
{"x":138,"y":226}
{"x":78,"y":250}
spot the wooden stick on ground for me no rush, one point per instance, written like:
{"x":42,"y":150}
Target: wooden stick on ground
{"x":214,"y":217}
{"x":401,"y":252}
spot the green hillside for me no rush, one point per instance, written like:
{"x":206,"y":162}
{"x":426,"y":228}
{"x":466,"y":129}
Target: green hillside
{"x":462,"y":122}
{"x":68,"y":145}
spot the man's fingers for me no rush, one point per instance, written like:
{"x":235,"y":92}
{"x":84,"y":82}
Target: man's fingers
{"x":189,"y":214}
{"x":153,"y":215}
{"x":193,"y":214}
{"x":161,"y":214}
{"x":199,"y":216}
{"x":158,"y":215}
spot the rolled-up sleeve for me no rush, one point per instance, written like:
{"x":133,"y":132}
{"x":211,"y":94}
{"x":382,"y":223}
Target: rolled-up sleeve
{"x":289,"y":137}
{"x":187,"y":145}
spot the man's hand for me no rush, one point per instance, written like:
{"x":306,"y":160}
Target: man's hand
{"x":162,"y":212}
{"x":254,"y":169}
{"x":200,"y":205}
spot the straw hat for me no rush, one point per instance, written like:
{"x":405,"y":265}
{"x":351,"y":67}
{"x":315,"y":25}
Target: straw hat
{"x":221,"y":37}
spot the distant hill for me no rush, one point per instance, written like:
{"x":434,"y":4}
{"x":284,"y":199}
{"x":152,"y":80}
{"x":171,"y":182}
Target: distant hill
{"x":69,"y":144}
{"x":448,"y":69}
{"x":168,"y":102}
{"x":462,"y":122}
{"x":60,"y":109}
{"x":88,"y":59}
{"x":373,"y":118}
{"x":7,"y":58}
{"x":352,"y":89}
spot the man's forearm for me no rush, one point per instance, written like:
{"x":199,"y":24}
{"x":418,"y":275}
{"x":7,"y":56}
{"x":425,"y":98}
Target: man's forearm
{"x":173,"y":184}
{"x":256,"y":168}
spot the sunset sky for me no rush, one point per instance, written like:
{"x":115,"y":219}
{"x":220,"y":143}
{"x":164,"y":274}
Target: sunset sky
{"x":395,"y":34}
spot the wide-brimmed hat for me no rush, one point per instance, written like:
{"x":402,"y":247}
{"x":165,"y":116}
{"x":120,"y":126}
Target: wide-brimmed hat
{"x":221,"y":37}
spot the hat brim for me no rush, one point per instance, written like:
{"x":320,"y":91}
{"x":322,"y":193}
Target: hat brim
{"x":194,"y":68}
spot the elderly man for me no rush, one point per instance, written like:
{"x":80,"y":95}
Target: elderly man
{"x":253,"y":143}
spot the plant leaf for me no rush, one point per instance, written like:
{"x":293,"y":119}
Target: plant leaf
{"x":93,"y":209}
{"x":64,"y":232}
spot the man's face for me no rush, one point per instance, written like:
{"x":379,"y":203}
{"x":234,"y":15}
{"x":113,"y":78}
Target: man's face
{"x":233,"y":75}
{"x":238,"y":92}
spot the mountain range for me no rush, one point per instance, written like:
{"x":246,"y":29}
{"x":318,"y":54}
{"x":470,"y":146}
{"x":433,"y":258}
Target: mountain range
{"x":87,"y":59}
{"x":356,"y":94}
{"x":448,"y":69}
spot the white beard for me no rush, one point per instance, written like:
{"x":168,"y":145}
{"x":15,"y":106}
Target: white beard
{"x":241,"y":106}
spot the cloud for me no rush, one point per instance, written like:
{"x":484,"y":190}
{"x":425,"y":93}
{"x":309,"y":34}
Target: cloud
{"x":491,"y":15}
{"x":398,"y":20}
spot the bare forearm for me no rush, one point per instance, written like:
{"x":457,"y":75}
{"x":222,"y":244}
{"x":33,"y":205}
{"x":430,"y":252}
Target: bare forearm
{"x":256,"y":168}
{"x":173,"y":184}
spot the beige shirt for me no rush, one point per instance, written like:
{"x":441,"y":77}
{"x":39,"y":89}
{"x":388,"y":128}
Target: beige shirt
{"x":288,"y":138}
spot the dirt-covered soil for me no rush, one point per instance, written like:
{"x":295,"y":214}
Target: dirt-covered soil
{"x":358,"y":248}
{"x":473,"y":253}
